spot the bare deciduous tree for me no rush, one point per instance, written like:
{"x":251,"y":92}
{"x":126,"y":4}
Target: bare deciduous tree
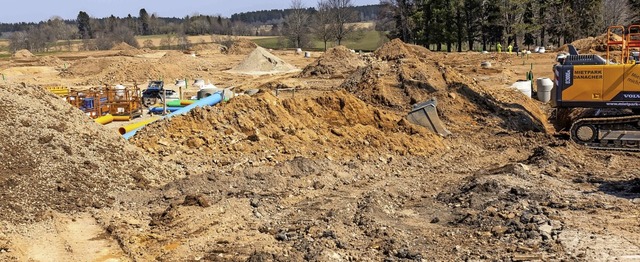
{"x":617,"y":12}
{"x":148,"y":44}
{"x":296,"y":24}
{"x":168,"y":40}
{"x":342,"y":15}
{"x":321,"y":23}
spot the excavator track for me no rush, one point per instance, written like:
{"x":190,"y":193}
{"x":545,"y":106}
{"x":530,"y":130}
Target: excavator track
{"x":609,"y":133}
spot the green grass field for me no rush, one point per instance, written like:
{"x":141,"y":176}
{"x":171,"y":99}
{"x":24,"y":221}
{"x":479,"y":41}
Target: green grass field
{"x":366,"y":41}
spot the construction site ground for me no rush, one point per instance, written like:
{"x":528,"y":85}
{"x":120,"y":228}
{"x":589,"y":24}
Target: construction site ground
{"x":330,"y":172}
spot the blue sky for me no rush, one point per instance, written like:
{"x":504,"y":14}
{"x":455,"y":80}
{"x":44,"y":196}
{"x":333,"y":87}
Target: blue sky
{"x":12,"y":11}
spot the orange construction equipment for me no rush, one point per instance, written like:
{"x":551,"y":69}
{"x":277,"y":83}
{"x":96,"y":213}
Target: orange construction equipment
{"x":124,"y":101}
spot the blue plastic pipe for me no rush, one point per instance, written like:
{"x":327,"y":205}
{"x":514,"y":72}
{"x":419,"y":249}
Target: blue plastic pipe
{"x":158,"y":110}
{"x":211,"y":100}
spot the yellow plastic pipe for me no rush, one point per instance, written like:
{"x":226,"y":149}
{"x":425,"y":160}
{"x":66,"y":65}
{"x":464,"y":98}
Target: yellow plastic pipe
{"x":103,"y":120}
{"x":186,"y":102}
{"x":121,"y":118}
{"x":125,"y":129}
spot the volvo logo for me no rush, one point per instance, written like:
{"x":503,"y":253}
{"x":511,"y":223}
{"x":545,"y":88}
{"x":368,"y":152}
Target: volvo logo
{"x":632,"y":96}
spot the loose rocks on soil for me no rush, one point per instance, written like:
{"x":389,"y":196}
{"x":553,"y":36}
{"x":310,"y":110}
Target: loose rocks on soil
{"x":55,"y":157}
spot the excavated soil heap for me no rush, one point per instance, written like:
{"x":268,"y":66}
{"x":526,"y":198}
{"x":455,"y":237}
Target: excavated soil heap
{"x":263,"y":127}
{"x":56,"y":158}
{"x":172,"y":65}
{"x":122,"y":46}
{"x":335,"y":62}
{"x":394,"y":50}
{"x":261,"y":61}
{"x":241,"y":47}
{"x":407,"y":74}
{"x":210,"y":48}
{"x":591,"y":44}
{"x":50,"y":61}
{"x":22,"y":54}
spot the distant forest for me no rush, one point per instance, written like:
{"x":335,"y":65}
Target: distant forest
{"x":275,"y":16}
{"x":441,"y":25}
{"x":167,"y":24}
{"x":294,"y":24}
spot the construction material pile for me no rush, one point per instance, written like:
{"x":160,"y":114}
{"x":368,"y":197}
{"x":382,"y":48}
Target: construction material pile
{"x":405,"y":75}
{"x":337,"y":62}
{"x":261,"y":62}
{"x":241,"y":47}
{"x":592,"y":44}
{"x":22,"y":54}
{"x":50,"y":61}
{"x":122,"y":46}
{"x":172,"y":65}
{"x":396,"y":49}
{"x":265,"y":128}
{"x":56,"y":158}
{"x":209,"y":48}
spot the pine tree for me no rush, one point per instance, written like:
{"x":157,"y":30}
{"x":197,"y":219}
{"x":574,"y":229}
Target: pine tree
{"x":84,"y":25}
{"x":144,"y":22}
{"x":472,"y":19}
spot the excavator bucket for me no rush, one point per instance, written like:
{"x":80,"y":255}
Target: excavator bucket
{"x":425,"y":114}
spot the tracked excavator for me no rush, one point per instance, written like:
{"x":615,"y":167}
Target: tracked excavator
{"x":605,"y":90}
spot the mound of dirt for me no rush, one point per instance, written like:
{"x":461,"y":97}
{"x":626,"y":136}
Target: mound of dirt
{"x":591,"y":44}
{"x":210,"y":48}
{"x":59,"y":159}
{"x":393,"y":50}
{"x":335,"y":62}
{"x":505,"y":204}
{"x":241,"y":47}
{"x":22,"y":54}
{"x":461,"y":101}
{"x":122,"y":46}
{"x":173,"y":65}
{"x":261,"y":61}
{"x":50,"y":61}
{"x":263,"y":127}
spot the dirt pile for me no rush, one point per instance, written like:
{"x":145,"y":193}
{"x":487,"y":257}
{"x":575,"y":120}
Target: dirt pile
{"x":241,"y":47}
{"x":173,"y":65}
{"x":505,"y":204}
{"x":399,"y":83}
{"x":122,"y":46}
{"x":335,"y":62}
{"x":265,"y":128}
{"x":59,"y":159}
{"x":210,"y":48}
{"x":592,"y":44}
{"x":50,"y":61}
{"x":394,"y":50}
{"x":260,"y":62}
{"x":23,"y":54}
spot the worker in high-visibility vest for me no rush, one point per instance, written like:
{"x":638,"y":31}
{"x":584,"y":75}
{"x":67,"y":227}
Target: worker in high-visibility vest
{"x":509,"y":48}
{"x":499,"y":47}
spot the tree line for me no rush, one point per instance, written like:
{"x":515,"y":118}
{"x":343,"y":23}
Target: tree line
{"x":276,"y":16}
{"x":481,"y":24}
{"x":328,"y":21}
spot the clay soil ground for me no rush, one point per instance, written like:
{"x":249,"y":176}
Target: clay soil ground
{"x":332,"y":172}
